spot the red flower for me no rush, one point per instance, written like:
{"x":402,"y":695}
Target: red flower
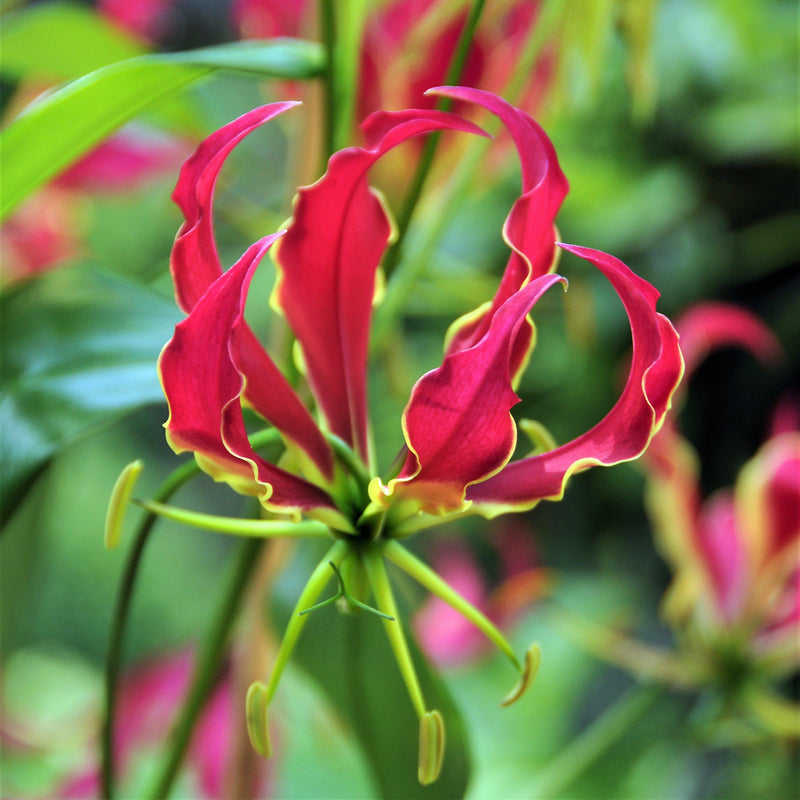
{"x":736,"y":554}
{"x":459,"y":431}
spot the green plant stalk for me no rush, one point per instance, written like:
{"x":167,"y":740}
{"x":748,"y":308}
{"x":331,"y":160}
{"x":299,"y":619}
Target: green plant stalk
{"x":119,"y":620}
{"x":342,"y":25}
{"x":113,"y":659}
{"x":454,"y":72}
{"x":207,"y":667}
{"x":590,"y":745}
{"x":316,"y":583}
{"x":255,"y":528}
{"x":406,"y":273}
{"x":426,"y":577}
{"x":384,"y":599}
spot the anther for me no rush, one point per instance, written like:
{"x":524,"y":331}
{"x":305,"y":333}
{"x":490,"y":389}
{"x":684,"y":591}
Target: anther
{"x":118,"y":502}
{"x":530,"y":668}
{"x":431,"y":747}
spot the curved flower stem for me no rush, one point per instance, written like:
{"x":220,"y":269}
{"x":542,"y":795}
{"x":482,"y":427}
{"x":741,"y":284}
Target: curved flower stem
{"x":384,"y":599}
{"x":119,"y":620}
{"x":425,"y":576}
{"x":454,"y":71}
{"x":590,"y":745}
{"x":316,"y":583}
{"x":207,"y":667}
{"x":120,"y":617}
{"x":254,"y":528}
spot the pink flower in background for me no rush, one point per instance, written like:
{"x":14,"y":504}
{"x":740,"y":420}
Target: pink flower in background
{"x":148,"y":699}
{"x":736,"y":554}
{"x":448,"y":638}
{"x":48,"y":230}
{"x":408,"y":45}
{"x":144,"y":19}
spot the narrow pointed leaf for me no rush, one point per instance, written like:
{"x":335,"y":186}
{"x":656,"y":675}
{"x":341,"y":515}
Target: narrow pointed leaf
{"x":68,"y":123}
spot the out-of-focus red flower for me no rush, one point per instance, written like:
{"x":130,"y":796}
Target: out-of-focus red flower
{"x":148,"y":699}
{"x":407,"y":46}
{"x":48,"y":229}
{"x":144,"y":19}
{"x":736,"y":554}
{"x":448,"y":638}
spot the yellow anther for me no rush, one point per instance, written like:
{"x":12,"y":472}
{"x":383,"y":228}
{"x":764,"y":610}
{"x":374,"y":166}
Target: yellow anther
{"x":431,"y":747}
{"x":118,"y":502}
{"x":533,"y":658}
{"x":256,"y":714}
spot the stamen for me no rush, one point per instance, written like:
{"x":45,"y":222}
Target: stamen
{"x":381,"y":588}
{"x":343,"y":594}
{"x":431,"y":747}
{"x":426,"y":577}
{"x":257,"y":723}
{"x":533,"y":659}
{"x":118,"y":502}
{"x":259,"y":698}
{"x":258,"y":528}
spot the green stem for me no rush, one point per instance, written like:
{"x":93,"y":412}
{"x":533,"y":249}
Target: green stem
{"x":425,"y":576}
{"x":207,"y":667}
{"x":384,"y":599}
{"x":316,"y":583}
{"x":328,"y":25}
{"x":119,"y":621}
{"x":404,"y":277}
{"x":454,"y":72}
{"x":592,"y":743}
{"x":256,"y":528}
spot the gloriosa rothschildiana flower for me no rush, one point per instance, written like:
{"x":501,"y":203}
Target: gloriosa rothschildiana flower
{"x":734,"y":601}
{"x":459,"y":431}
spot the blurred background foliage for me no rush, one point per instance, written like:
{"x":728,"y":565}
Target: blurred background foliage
{"x":681,"y":146}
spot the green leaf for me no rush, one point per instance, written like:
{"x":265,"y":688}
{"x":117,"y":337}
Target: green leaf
{"x":57,"y":130}
{"x":350,"y":659}
{"x":59,"y":41}
{"x":79,"y":349}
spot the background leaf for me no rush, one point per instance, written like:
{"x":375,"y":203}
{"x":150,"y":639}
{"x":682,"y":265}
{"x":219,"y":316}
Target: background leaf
{"x":79,"y":349}
{"x":59,"y":41}
{"x":55,"y":131}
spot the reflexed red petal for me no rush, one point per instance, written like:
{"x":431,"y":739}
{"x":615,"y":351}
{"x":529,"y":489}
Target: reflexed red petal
{"x":529,"y":228}
{"x":195,"y":266}
{"x":458,"y":424}
{"x":203,"y":387}
{"x":709,"y":325}
{"x":327,"y":263}
{"x":194,"y":262}
{"x":624,"y":433}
